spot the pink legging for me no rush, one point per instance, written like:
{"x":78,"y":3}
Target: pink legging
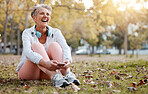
{"x":32,"y":71}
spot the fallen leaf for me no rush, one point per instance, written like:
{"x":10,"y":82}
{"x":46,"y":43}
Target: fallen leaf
{"x":137,"y":75}
{"x":114,"y":83}
{"x":122,"y":74}
{"x":141,"y":83}
{"x":99,"y":69}
{"x":5,"y":70}
{"x":117,"y":77}
{"x":93,"y":86}
{"x":109,"y":84}
{"x":145,"y":76}
{"x":88,"y":76}
{"x":92,"y":82}
{"x":124,"y":66}
{"x":129,"y":77}
{"x":85,"y":72}
{"x":55,"y":93}
{"x":29,"y":91}
{"x":6,"y":67}
{"x":4,"y":90}
{"x":94,"y":70}
{"x":102,"y":65}
{"x":116,"y":91}
{"x":89,"y":81}
{"x":99,"y":90}
{"x":131,"y":88}
{"x":134,"y":84}
{"x":26,"y":87}
{"x":113,"y":73}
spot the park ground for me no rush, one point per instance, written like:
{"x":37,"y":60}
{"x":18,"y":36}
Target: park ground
{"x":103,"y":74}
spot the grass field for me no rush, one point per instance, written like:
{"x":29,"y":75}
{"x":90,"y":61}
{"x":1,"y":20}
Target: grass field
{"x":97,"y":74}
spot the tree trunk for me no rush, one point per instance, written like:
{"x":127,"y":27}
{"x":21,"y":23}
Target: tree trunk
{"x":73,"y":51}
{"x":125,"y":42}
{"x":26,"y":18}
{"x":93,"y":52}
{"x":5,"y":26}
{"x":42,"y":1}
{"x":133,"y":52}
{"x":11,"y":36}
{"x":18,"y":42}
{"x":0,"y":44}
{"x":137,"y":53}
{"x":119,"y":50}
{"x":18,"y":39}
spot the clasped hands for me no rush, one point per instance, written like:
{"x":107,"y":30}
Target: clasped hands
{"x":54,"y":65}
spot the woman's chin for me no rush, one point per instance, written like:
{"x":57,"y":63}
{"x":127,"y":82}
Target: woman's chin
{"x":43,"y":25}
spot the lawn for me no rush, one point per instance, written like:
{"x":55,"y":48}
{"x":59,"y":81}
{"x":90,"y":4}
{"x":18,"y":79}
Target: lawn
{"x":98,"y":74}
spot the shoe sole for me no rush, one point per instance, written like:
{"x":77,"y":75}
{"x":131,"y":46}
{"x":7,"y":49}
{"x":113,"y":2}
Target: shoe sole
{"x":64,"y":85}
{"x":76,"y":82}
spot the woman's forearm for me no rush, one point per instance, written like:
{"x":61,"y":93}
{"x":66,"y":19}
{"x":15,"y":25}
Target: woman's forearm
{"x":43,"y":63}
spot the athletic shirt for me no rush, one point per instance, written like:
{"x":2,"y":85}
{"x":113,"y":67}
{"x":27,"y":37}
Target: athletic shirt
{"x":45,"y":46}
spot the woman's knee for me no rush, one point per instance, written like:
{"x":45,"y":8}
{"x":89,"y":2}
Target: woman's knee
{"x":54,"y":44}
{"x":55,"y":51}
{"x":36,"y":44}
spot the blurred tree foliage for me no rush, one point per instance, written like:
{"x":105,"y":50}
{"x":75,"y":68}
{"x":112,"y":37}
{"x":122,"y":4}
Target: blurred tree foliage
{"x":74,"y":20}
{"x":126,"y":17}
{"x":137,"y":38}
{"x":117,"y":39}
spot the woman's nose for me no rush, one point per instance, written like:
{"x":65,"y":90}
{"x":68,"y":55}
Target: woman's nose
{"x":45,"y":15}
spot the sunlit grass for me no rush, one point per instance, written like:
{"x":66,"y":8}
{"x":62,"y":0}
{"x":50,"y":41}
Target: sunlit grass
{"x":103,"y":80}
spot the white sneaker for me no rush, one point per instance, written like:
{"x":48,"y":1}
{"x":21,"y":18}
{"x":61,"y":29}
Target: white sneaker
{"x":71,"y":78}
{"x":59,"y":81}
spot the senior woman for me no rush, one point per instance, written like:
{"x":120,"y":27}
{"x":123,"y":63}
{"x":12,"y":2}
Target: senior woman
{"x":46,"y":54}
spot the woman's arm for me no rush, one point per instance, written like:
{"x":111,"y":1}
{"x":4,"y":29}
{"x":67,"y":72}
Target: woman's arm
{"x":66,"y":50}
{"x":27,"y":51}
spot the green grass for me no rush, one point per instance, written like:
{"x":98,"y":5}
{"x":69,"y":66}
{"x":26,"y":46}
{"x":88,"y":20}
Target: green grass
{"x":101,"y":72}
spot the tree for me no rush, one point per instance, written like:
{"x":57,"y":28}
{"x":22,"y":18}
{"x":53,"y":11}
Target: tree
{"x":99,"y":19}
{"x":67,"y":16}
{"x":118,"y":39}
{"x":42,"y":1}
{"x":5,"y":26}
{"x":136,"y":39}
{"x":126,"y":17}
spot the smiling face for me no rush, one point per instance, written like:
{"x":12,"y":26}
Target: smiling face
{"x":42,"y":18}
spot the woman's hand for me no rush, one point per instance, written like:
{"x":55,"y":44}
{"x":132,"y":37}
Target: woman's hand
{"x":52,"y":65}
{"x":67,"y":64}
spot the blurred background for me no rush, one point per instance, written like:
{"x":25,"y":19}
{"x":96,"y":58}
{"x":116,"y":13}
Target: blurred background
{"x":89,"y":26}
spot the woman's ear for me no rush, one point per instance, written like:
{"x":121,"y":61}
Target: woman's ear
{"x":34,"y":18}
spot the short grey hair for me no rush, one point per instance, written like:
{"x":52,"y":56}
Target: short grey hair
{"x":37,"y":7}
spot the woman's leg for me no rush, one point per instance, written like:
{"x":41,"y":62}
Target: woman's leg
{"x":31,"y":71}
{"x":55,"y":53}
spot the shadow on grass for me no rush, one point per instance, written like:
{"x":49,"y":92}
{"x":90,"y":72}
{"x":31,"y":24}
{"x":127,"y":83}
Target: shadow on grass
{"x":4,"y":82}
